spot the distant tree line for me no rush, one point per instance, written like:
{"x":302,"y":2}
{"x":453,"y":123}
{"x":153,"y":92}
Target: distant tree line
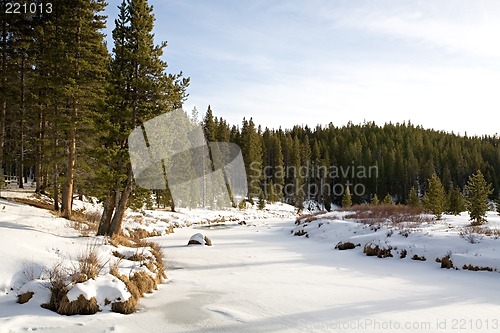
{"x":394,"y":160}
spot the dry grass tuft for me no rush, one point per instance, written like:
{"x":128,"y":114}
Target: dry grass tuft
{"x":139,"y":233}
{"x":159,"y":262}
{"x":127,"y":307}
{"x":80,"y":306}
{"x":137,"y":257}
{"x":140,"y":283}
{"x":144,"y":282}
{"x":418,"y":258}
{"x":58,"y":287}
{"x":24,"y":298}
{"x":119,"y":239}
{"x":380,"y":252}
{"x":86,"y":222}
{"x":31,"y":271}
{"x":35,"y":203}
{"x":309,"y":217}
{"x":89,"y":264}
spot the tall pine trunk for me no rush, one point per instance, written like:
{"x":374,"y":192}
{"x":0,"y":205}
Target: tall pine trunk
{"x":40,"y":181}
{"x":3,"y":101}
{"x":55,"y":171}
{"x":116,"y":222}
{"x":67,"y":194}
{"x":67,"y":198}
{"x":20,"y":160}
{"x":107,"y":214}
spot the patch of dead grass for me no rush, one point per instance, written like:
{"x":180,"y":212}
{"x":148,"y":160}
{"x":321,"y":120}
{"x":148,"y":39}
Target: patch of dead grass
{"x":392,"y":214}
{"x":25,"y":297}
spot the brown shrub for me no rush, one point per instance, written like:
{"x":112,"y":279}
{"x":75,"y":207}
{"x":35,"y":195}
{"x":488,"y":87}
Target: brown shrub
{"x":418,"y":258}
{"x":346,"y":246}
{"x":377,"y":251}
{"x":81,"y":306}
{"x":403,"y":254}
{"x":300,"y":233}
{"x":445,"y":262}
{"x":24,"y":298}
{"x":478,"y":268}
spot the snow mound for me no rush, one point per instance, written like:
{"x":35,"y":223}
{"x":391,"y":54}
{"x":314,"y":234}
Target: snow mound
{"x":106,"y":289}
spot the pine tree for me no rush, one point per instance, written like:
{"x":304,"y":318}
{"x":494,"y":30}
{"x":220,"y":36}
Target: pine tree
{"x":86,"y":59}
{"x":375,"y":200}
{"x":298,"y":179}
{"x":209,"y":126}
{"x":435,"y":198}
{"x":477,"y":191}
{"x":278,"y":172}
{"x":413,"y":199}
{"x":497,"y":204}
{"x":262,"y":201}
{"x":19,"y":87}
{"x":252,"y":155}
{"x":388,"y":200}
{"x":456,"y":201}
{"x":140,"y":90}
{"x":242,"y":204}
{"x":347,"y":199}
{"x":271,"y":193}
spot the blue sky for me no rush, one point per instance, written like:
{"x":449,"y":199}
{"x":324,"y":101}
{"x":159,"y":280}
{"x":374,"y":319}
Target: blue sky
{"x":436,"y":63}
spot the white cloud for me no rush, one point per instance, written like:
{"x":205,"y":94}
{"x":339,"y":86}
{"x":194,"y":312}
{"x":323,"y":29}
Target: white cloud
{"x":459,"y":26}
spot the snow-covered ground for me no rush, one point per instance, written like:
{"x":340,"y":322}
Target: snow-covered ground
{"x":451,"y":236}
{"x":258,"y":277}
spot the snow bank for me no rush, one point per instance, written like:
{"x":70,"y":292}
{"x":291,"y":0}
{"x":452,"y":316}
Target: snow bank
{"x":106,"y":289}
{"x":429,"y":240}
